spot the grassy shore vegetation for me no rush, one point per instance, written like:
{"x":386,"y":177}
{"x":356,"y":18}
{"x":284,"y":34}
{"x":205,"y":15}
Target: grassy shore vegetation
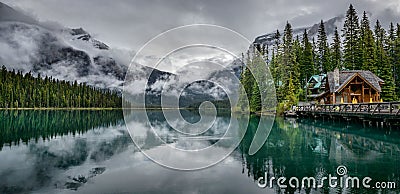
{"x":24,"y":91}
{"x":293,"y":60}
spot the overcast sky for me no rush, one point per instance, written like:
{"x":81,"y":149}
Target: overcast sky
{"x":131,"y":23}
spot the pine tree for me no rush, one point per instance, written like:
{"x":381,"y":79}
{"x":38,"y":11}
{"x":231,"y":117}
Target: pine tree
{"x":323,"y":50}
{"x":284,"y":63}
{"x":336,"y":51}
{"x":289,"y":62}
{"x":298,"y":52}
{"x":379,"y":34}
{"x":385,"y":67}
{"x":392,"y":32}
{"x":388,"y":88}
{"x":273,"y":69}
{"x":351,"y":34}
{"x":315,"y":56}
{"x":390,"y":43}
{"x":277,"y":38}
{"x":398,"y":31}
{"x":248,"y":78}
{"x":367,"y":46}
{"x":306,"y":60}
{"x":380,"y":51}
{"x":255,"y":101}
{"x":274,"y":64}
{"x":396,"y":59}
{"x":291,"y":94}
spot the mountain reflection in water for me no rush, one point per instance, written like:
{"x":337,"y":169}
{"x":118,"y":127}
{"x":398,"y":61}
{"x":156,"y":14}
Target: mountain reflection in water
{"x":92,"y":152}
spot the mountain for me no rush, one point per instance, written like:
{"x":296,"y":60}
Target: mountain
{"x":178,"y":88}
{"x":63,"y":53}
{"x":69,"y":54}
{"x":330,"y":25}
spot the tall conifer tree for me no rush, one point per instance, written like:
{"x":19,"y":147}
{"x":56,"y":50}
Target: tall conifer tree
{"x":307,"y":62}
{"x":396,"y":59}
{"x":385,"y":67}
{"x":290,"y":65}
{"x":336,"y":51}
{"x":351,"y":34}
{"x":368,"y":46}
{"x":323,"y":50}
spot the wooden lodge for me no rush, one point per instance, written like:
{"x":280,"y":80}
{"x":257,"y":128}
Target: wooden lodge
{"x":355,"y":86}
{"x":349,"y":96}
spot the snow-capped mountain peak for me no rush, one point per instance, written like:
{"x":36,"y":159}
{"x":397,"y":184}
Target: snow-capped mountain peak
{"x":63,"y":53}
{"x":73,"y":54}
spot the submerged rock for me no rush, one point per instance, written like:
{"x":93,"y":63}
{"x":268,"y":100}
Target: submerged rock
{"x":80,"y":180}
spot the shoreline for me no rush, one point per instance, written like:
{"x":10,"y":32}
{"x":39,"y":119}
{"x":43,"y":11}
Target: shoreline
{"x":52,"y":108}
{"x":96,"y":108}
{"x":150,"y":109}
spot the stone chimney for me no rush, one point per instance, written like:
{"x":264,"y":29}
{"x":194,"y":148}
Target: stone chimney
{"x":336,"y":77}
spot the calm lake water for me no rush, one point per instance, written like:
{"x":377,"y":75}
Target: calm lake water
{"x":92,"y":152}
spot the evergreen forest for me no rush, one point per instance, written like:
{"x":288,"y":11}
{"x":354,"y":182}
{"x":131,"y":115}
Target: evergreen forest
{"x":359,"y":45}
{"x":18,"y":90}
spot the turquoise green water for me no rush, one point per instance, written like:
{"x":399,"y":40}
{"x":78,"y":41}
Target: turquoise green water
{"x":92,"y":152}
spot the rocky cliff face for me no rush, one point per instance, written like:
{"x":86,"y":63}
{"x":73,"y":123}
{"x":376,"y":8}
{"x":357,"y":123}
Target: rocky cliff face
{"x":63,"y":53}
{"x":75,"y":55}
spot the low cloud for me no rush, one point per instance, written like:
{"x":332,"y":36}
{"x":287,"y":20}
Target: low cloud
{"x":130,"y":24}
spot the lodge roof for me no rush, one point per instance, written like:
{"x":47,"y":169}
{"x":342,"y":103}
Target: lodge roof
{"x":318,"y":80}
{"x":346,"y":76}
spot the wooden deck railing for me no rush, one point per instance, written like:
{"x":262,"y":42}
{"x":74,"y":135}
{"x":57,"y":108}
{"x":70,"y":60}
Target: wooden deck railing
{"x":384,"y":108}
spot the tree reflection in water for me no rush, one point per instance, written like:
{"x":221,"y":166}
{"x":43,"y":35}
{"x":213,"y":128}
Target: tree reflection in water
{"x":308,"y":148}
{"x":23,"y":126}
{"x":294,"y":148}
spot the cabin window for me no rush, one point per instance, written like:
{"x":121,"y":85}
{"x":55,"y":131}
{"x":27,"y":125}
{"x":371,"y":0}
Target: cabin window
{"x":338,"y":98}
{"x":353,"y":88}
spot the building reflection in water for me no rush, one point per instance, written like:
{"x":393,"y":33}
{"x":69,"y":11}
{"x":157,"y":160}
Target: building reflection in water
{"x":308,"y":148}
{"x":294,"y":148}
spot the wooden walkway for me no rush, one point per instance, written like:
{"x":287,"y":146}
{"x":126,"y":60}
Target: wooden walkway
{"x":383,"y":111}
